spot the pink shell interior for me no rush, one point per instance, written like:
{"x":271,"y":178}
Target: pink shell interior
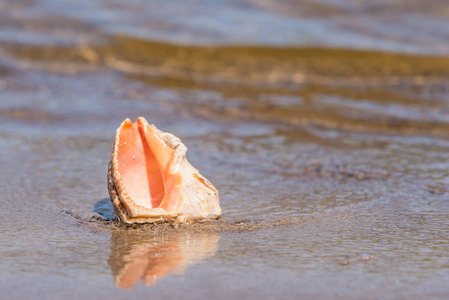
{"x":139,"y":168}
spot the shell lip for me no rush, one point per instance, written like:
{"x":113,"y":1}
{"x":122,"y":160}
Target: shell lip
{"x":134,"y":209}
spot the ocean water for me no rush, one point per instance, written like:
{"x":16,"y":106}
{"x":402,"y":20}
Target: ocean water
{"x":324,"y":125}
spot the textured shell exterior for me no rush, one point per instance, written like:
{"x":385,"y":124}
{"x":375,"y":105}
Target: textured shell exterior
{"x":189,"y":196}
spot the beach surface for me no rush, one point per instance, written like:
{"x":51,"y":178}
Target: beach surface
{"x":323,"y":124}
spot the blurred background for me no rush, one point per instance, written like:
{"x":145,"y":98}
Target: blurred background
{"x":335,"y":111}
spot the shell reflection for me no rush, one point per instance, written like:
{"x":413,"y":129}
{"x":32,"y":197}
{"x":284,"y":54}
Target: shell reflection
{"x":139,"y":258}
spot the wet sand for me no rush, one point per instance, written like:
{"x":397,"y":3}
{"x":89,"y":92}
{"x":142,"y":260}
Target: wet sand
{"x":323,"y":125}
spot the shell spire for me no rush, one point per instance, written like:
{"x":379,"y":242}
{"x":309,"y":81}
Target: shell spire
{"x":151,"y":181}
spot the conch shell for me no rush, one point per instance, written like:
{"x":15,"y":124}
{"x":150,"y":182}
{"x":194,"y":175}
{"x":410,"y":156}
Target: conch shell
{"x":151,"y":181}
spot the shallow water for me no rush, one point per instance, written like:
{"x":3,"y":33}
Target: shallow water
{"x":324,"y":126}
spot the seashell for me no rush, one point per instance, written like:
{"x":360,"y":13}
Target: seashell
{"x":151,"y":181}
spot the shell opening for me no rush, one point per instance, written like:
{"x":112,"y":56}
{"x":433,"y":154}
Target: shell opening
{"x":138,"y":167}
